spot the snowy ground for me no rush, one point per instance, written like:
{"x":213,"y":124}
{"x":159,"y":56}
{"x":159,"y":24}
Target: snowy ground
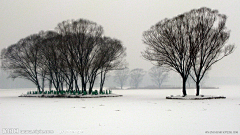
{"x":137,"y":112}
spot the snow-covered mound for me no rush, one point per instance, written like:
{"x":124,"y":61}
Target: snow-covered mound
{"x":193,"y":97}
{"x":69,"y":96}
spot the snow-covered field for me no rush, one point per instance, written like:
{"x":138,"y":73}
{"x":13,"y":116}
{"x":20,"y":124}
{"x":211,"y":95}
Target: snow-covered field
{"x":137,"y":112}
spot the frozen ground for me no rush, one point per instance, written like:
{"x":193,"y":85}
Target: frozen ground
{"x":137,"y":112}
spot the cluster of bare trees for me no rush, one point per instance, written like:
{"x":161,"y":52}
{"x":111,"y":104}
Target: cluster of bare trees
{"x":71,"y":56}
{"x":77,"y":51}
{"x":135,"y":75}
{"x":190,"y":42}
{"x":158,"y":76}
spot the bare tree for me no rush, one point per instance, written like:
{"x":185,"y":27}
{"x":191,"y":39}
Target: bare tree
{"x":53,"y":62}
{"x":136,"y":76}
{"x":81,"y":42}
{"x":68,"y":56}
{"x":112,"y":54}
{"x":90,"y":53}
{"x":76,"y":49}
{"x":168,"y":45}
{"x":158,"y":75}
{"x":121,"y":76}
{"x":209,"y":37}
{"x":22,"y":59}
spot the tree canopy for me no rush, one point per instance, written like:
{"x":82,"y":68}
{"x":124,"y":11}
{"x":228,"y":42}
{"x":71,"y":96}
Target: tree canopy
{"x":76,"y":49}
{"x":194,"y":40}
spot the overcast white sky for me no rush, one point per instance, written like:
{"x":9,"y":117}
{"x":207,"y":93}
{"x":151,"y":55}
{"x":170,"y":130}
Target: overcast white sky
{"x":122,"y":19}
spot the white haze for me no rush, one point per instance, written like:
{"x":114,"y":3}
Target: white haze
{"x":122,"y":19}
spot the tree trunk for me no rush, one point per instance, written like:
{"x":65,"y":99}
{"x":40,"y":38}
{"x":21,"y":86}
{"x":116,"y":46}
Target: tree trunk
{"x":136,"y":85}
{"x":38,"y":87}
{"x":76,"y":85}
{"x":83,"y":83}
{"x":103,"y":75}
{"x":184,"y":87}
{"x":101,"y":89}
{"x":101,"y":85}
{"x":91,"y":84}
{"x":43,"y":82}
{"x":159,"y":85}
{"x":71,"y":81}
{"x":197,"y":88}
{"x":61,"y":85}
{"x":50,"y":85}
{"x":121,"y":84}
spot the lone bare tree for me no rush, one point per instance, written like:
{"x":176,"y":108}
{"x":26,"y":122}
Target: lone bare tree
{"x":209,"y":37}
{"x":158,"y":75}
{"x":121,"y":77}
{"x":136,"y":76}
{"x":168,"y":44}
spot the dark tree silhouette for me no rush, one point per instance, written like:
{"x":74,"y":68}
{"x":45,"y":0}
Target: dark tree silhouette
{"x":209,"y":37}
{"x":111,"y":57}
{"x":23,"y":60}
{"x":83,"y":36}
{"x":76,"y":49}
{"x":158,"y":75}
{"x":66,"y":48}
{"x":195,"y":39}
{"x":91,"y":54}
{"x":52,"y":59}
{"x":168,"y":45}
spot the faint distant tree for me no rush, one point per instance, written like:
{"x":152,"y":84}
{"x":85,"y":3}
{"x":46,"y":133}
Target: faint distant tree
{"x":190,"y":82}
{"x":204,"y":80}
{"x":209,"y":37}
{"x":121,"y":77}
{"x":136,"y":76}
{"x":158,"y":75}
{"x":168,"y":45}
